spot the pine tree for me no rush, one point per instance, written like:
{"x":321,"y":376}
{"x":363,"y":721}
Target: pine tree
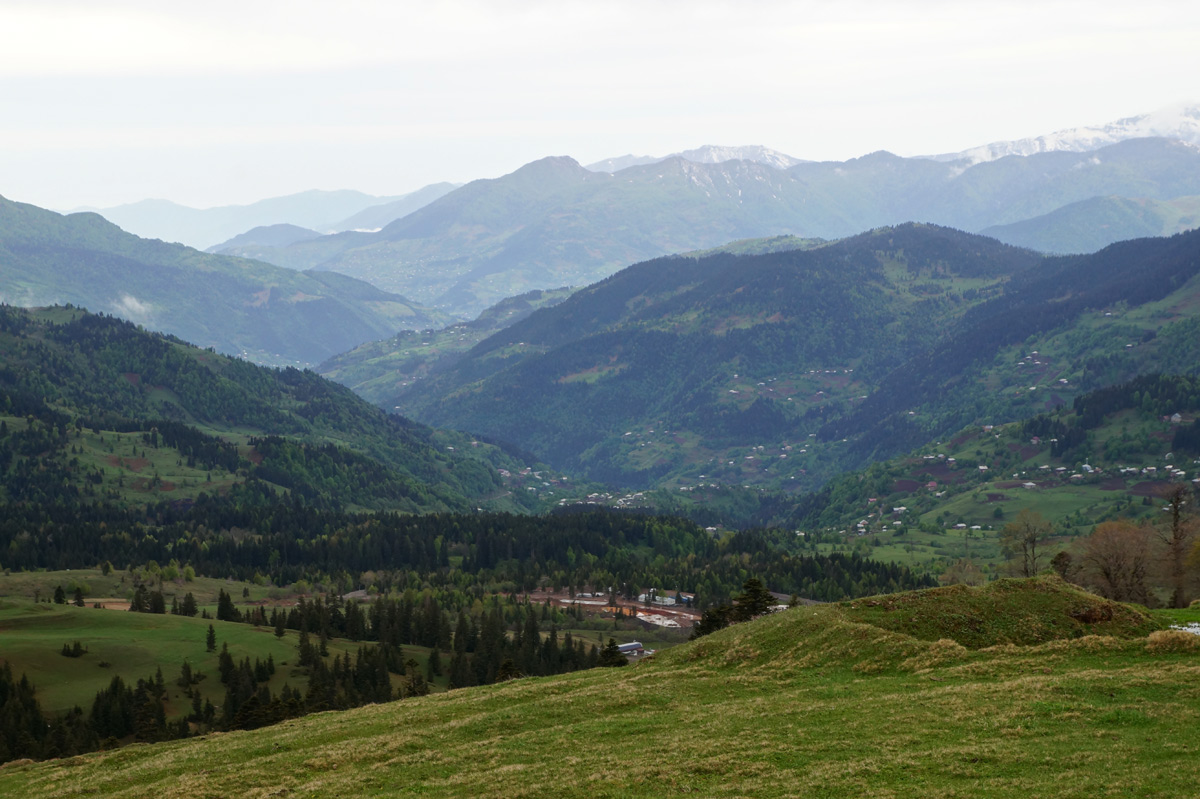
{"x":225,"y":609}
{"x":434,"y":665}
{"x":755,"y":600}
{"x":611,"y":655}
{"x":210,"y":641}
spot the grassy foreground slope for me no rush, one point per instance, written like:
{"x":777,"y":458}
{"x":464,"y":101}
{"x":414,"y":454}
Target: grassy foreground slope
{"x":809,"y":702}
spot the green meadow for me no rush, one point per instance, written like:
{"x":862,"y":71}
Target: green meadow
{"x":827,"y":701}
{"x":133,"y":646}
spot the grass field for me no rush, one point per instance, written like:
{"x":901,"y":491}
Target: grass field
{"x":134,"y":645}
{"x":809,"y":702}
{"x":119,"y":584}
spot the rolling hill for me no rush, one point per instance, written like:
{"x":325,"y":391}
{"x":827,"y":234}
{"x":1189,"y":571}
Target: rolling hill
{"x":837,"y":700}
{"x":242,"y":307}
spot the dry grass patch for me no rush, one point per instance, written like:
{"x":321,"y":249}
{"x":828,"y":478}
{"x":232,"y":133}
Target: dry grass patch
{"x":1172,"y":641}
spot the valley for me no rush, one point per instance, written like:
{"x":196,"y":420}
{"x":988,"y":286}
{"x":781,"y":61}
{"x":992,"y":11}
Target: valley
{"x":726,"y":472}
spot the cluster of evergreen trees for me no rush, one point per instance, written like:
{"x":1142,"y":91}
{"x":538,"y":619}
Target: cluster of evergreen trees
{"x":486,"y":552}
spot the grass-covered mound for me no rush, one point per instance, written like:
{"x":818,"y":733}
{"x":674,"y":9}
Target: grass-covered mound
{"x":808,"y":702}
{"x":1022,"y":612}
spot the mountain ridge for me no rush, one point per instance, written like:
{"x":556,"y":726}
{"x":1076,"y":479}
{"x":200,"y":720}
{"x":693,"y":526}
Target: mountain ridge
{"x":554,"y":223}
{"x":1181,"y":121}
{"x":236,"y":305}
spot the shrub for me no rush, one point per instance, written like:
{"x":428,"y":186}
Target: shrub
{"x":1163,"y":641}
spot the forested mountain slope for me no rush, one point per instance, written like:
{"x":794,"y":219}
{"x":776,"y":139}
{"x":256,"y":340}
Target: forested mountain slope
{"x":713,"y":352}
{"x":248,"y":308}
{"x":100,"y":408}
{"x":379,"y":370}
{"x":784,"y":369}
{"x":1091,"y":321}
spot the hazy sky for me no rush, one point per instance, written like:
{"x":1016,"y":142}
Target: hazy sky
{"x":214,"y":102}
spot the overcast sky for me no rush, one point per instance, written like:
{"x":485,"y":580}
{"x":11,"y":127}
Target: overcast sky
{"x":215,"y":102}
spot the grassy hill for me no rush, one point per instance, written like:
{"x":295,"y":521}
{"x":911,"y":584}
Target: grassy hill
{"x":811,"y":701}
{"x":241,"y":307}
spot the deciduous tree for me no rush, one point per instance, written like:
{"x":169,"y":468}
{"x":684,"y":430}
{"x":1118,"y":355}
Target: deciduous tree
{"x":1177,"y":537}
{"x":1024,"y":540}
{"x":1117,"y":557}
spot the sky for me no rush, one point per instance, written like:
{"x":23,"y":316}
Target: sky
{"x":106,"y":102}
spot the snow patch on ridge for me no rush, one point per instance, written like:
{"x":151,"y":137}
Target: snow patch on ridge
{"x":1181,"y":122}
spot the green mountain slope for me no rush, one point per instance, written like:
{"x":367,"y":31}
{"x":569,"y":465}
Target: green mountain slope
{"x":380,"y":370}
{"x":248,"y":308}
{"x":554,"y":223}
{"x":780,"y":371}
{"x":1093,"y":224}
{"x":810,"y":701}
{"x":1091,"y":321}
{"x":714,"y":353}
{"x":100,"y":408}
{"x":1112,"y":453}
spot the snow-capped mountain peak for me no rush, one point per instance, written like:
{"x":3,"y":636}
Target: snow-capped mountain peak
{"x":1180,"y":122}
{"x":707,"y":154}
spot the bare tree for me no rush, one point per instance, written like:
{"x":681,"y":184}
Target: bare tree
{"x":1117,"y":557}
{"x":963,"y":572}
{"x":1024,"y":540}
{"x":1177,"y":538}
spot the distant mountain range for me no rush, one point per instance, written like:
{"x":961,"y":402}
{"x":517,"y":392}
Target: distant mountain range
{"x":708,"y":154}
{"x":1092,"y":224}
{"x":323,"y":211}
{"x":554,"y":223}
{"x":241,"y":307}
{"x":1180,"y":122}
